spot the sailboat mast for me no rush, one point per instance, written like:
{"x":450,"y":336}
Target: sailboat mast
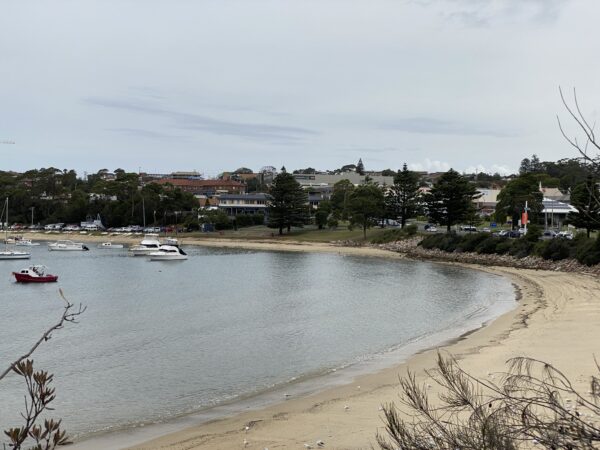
{"x":144,"y":211}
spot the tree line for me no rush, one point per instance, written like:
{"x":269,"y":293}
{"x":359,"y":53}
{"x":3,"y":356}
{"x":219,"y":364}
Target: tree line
{"x":50,"y":195}
{"x":449,"y":201}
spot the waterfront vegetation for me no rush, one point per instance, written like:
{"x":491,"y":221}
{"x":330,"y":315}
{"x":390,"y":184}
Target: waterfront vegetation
{"x":582,"y":248}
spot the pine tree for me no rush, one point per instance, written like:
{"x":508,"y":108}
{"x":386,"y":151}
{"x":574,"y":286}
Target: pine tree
{"x":450,"y":200}
{"x":360,"y":168}
{"x":403,"y":196}
{"x":288,"y":205}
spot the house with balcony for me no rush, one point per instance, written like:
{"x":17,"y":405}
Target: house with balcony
{"x":237,"y":204}
{"x":208,"y":188}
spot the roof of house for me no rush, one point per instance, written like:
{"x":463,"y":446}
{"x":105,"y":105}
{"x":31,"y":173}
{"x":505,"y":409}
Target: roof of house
{"x":199,"y":183}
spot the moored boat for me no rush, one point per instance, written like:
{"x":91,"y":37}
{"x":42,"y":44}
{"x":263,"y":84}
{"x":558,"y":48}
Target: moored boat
{"x":35,"y":274}
{"x":26,"y":243}
{"x":168,"y":253}
{"x":65,"y":245}
{"x":14,"y":254}
{"x":149,"y":244}
{"x":109,"y":245}
{"x":6,"y":253}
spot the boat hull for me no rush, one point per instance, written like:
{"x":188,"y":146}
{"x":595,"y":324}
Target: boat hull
{"x":25,"y":278}
{"x":67,"y":249}
{"x":14,"y":255}
{"x":168,"y":257}
{"x":141,"y":251}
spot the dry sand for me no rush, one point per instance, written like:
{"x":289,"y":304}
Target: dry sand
{"x":557,"y":320}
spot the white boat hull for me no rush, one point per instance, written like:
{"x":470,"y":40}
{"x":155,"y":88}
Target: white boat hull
{"x":141,"y":251}
{"x":110,"y":246}
{"x":27,"y":244}
{"x":168,"y":257}
{"x":14,"y":255}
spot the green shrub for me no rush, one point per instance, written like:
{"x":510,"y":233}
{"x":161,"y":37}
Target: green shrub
{"x":503,"y":246}
{"x":488,"y":245}
{"x":534,"y":233}
{"x":587,"y":250}
{"x":248,"y":220}
{"x":554,"y":249}
{"x":446,"y":242}
{"x":411,"y":229}
{"x":396,"y":234}
{"x":520,"y":248}
{"x":470,"y":242}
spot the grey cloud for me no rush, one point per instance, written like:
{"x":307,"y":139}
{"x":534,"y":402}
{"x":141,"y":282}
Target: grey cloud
{"x":427,"y":125}
{"x":478,"y":13}
{"x":137,"y":132}
{"x":260,"y":131}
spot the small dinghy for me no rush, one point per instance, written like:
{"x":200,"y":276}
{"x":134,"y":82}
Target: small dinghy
{"x":35,"y":274}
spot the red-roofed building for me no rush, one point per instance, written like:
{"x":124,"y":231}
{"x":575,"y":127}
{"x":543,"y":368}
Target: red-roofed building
{"x":205,"y":187}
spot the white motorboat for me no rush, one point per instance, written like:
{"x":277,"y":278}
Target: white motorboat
{"x":168,"y":253}
{"x":149,"y":244}
{"x":14,"y":254}
{"x":6,"y":253}
{"x":26,"y":243}
{"x":66,"y":246}
{"x":109,"y":245}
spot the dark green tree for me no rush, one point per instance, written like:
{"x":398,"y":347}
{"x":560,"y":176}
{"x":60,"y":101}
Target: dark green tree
{"x":288,"y":205}
{"x":402,"y":198}
{"x":450,"y":200}
{"x":322,"y":214}
{"x":340,"y":197}
{"x":586,"y":198}
{"x":366,"y":205}
{"x":512,"y":198}
{"x":360,"y":168}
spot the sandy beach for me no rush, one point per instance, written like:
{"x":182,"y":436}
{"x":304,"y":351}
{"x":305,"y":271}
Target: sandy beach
{"x":557,"y":320}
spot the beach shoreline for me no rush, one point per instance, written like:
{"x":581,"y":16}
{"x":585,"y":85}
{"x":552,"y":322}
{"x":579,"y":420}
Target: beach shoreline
{"x":349,"y":416}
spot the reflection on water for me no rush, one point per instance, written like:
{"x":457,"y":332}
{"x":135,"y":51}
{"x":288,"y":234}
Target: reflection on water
{"x":164,"y":338}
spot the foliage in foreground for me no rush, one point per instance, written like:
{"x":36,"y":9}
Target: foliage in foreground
{"x":533,"y":403}
{"x":39,"y":396}
{"x":583,"y":249}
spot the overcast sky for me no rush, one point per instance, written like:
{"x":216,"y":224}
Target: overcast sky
{"x":213,"y":85}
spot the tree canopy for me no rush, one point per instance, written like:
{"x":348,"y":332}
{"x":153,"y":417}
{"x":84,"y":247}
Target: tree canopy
{"x":586,"y":198}
{"x":511,"y":200}
{"x":288,"y":205}
{"x":366,"y":205}
{"x":403,"y":196}
{"x":450,"y":200}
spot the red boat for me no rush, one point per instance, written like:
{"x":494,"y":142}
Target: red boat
{"x":34,"y":274}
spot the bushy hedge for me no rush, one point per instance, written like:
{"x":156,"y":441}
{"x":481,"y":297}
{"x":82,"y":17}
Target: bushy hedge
{"x":248,"y":220}
{"x":396,"y":234}
{"x":582,"y":248}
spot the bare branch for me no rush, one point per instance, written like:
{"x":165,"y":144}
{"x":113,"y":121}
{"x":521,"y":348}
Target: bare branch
{"x":68,"y":315}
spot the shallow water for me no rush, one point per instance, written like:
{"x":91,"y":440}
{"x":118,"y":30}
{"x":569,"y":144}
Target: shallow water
{"x":160,"y":339}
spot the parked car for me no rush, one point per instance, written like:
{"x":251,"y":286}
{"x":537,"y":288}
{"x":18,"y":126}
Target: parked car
{"x":510,"y":233}
{"x":469,"y":228}
{"x":549,"y":234}
{"x":431,"y":229}
{"x":565,"y":235}
{"x":486,"y":230}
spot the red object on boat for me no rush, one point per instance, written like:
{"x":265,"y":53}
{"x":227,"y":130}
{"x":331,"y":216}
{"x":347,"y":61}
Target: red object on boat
{"x":35,"y":274}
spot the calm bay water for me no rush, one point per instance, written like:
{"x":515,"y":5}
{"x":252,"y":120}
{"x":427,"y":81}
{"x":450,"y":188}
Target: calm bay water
{"x":160,"y":339}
